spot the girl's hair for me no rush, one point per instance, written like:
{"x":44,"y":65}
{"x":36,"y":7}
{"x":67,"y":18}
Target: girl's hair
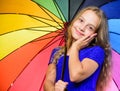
{"x":102,"y":39}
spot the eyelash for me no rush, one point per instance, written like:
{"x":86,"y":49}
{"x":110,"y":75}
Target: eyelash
{"x":91,"y":28}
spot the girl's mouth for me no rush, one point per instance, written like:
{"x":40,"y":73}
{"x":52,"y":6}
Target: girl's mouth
{"x":79,"y":33}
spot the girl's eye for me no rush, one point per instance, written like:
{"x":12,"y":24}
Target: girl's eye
{"x":91,"y":28}
{"x":81,"y":20}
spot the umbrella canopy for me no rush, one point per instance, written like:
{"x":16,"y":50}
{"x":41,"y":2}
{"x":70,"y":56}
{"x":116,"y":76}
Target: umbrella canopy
{"x":33,"y":29}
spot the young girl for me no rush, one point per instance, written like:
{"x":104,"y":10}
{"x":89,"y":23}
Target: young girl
{"x":88,"y":55}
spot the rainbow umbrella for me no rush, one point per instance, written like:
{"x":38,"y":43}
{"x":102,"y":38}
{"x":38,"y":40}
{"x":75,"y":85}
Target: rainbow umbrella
{"x":28,"y":33}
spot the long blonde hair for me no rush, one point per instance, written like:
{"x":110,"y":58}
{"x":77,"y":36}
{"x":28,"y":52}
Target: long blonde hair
{"x":102,"y":39}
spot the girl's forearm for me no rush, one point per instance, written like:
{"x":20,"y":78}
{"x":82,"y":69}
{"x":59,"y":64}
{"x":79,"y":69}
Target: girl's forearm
{"x":49,"y":82}
{"x":49,"y":86}
{"x":75,"y":66}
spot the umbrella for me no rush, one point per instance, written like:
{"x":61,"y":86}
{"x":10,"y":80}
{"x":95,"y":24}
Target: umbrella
{"x":33,"y":29}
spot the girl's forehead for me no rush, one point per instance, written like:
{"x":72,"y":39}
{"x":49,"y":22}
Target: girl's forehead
{"x":91,"y":17}
{"x":88,"y":12}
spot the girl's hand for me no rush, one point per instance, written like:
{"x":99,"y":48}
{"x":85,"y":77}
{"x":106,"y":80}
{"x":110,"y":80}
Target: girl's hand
{"x":60,"y":85}
{"x":83,"y":42}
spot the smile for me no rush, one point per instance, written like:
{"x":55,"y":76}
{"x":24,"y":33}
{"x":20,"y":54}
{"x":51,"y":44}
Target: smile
{"x":79,"y":33}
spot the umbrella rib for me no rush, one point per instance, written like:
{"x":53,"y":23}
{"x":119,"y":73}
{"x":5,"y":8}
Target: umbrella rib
{"x":45,"y":22}
{"x":30,"y":16}
{"x":21,"y":47}
{"x":59,"y":34}
{"x":23,"y":28}
{"x":55,"y":3}
{"x":45,"y":38}
{"x":61,"y":42}
{"x":29,"y":29}
{"x":116,"y":84}
{"x":42,"y":84}
{"x":47,"y":13}
{"x":116,"y":51}
{"x":77,"y":9}
{"x":46,"y":19}
{"x":105,"y":3}
{"x":42,"y":30}
{"x":47,"y":45}
{"x":114,"y":33}
{"x":69,"y":10}
{"x":9,"y":32}
{"x":50,"y":16}
{"x":39,"y":30}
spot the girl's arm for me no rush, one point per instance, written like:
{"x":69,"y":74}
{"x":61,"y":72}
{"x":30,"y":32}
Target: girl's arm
{"x":49,"y":84}
{"x":80,"y":70}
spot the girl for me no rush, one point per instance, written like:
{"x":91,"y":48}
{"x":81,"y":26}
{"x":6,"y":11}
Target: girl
{"x":88,"y":55}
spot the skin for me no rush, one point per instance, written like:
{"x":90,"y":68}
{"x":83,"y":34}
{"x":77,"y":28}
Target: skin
{"x":83,"y":32}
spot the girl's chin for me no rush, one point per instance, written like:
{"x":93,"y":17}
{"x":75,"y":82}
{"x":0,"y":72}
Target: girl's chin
{"x":76,"y":38}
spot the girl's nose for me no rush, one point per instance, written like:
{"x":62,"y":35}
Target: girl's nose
{"x":82,"y":28}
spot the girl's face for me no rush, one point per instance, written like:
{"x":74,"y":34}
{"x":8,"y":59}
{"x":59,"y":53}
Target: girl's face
{"x":85,"y":25}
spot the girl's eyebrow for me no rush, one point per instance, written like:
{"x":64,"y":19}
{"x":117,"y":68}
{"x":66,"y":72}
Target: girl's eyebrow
{"x":88,"y":23}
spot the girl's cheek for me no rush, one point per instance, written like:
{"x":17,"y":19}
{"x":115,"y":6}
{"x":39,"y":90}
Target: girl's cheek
{"x":88,"y":33}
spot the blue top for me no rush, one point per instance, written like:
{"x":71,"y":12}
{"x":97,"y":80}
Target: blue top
{"x":95,"y":53}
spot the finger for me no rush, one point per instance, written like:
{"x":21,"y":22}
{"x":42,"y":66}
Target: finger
{"x":61,"y":83}
{"x":66,"y":83}
{"x":83,"y":39}
{"x":86,"y":37}
{"x":60,"y":86}
{"x":91,"y":37}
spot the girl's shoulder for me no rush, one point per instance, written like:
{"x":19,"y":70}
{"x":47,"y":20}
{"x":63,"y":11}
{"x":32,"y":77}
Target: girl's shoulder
{"x":94,"y":48}
{"x":96,"y":53}
{"x":56,"y":49}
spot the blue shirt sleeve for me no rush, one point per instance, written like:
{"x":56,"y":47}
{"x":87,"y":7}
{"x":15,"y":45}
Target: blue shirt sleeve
{"x":97,"y":54}
{"x":52,"y":54}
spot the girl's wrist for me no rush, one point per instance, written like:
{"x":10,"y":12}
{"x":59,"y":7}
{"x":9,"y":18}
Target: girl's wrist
{"x":74,"y":48}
